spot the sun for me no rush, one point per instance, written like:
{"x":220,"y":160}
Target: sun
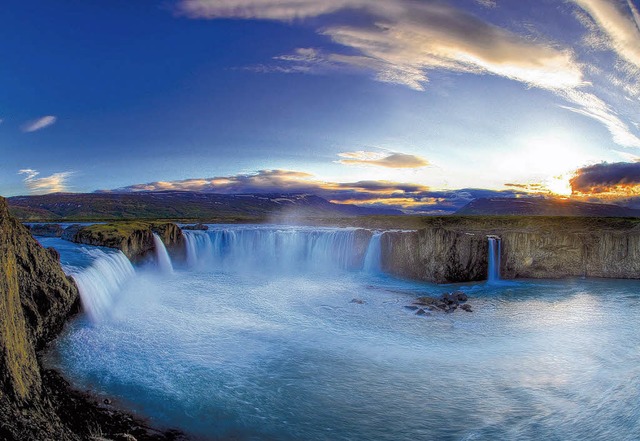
{"x":559,"y":185}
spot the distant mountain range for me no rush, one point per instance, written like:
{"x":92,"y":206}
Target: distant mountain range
{"x":543,"y":207}
{"x":179,"y":205}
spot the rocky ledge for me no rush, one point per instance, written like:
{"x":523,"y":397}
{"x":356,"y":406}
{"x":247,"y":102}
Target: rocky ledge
{"x":36,"y":299}
{"x":134,"y":239}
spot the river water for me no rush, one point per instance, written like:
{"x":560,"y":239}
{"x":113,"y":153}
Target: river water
{"x":252,"y":341}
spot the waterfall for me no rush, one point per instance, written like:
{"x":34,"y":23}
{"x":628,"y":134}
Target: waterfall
{"x":101,"y":281}
{"x":162,"y":256}
{"x":373,"y":257}
{"x":493,"y":272}
{"x":199,"y":246}
{"x":273,"y":248}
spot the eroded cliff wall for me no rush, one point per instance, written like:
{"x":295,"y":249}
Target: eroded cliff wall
{"x":455,"y":250}
{"x":35,"y":299}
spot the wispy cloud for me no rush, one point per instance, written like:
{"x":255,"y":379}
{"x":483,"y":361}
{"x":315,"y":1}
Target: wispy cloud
{"x":39,"y":124}
{"x":619,"y":22}
{"x":55,"y":183}
{"x":487,"y":3}
{"x":403,"y":42}
{"x":377,"y":159}
{"x":264,"y":9}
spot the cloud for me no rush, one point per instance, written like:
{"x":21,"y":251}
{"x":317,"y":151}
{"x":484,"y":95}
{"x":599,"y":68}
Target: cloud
{"x":389,"y":160}
{"x":487,"y":3}
{"x":589,"y":105}
{"x":55,"y":183}
{"x":264,"y":9}
{"x":406,"y":196}
{"x":404,"y":41}
{"x":619,"y":21}
{"x":616,"y":179}
{"x":39,"y":123}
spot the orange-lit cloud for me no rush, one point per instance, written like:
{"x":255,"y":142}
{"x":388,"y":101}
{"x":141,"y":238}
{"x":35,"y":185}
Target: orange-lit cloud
{"x":389,"y":160}
{"x":388,"y":194}
{"x":607,"y":180}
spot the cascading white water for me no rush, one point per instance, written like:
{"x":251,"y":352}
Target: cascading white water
{"x":162,"y":256}
{"x":101,"y":281}
{"x":373,"y":257}
{"x":273,"y":248}
{"x":493,"y":272}
{"x":198,"y":245}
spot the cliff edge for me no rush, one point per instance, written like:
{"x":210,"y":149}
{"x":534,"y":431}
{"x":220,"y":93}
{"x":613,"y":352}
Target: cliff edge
{"x":36,"y":298}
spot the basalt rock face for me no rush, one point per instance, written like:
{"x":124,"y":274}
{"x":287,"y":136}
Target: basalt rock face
{"x":36,"y":297}
{"x":436,"y":255}
{"x":134,"y":239}
{"x":590,"y":254}
{"x":549,"y":248}
{"x":361,"y":240}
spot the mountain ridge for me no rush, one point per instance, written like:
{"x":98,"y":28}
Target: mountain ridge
{"x":542,"y":207}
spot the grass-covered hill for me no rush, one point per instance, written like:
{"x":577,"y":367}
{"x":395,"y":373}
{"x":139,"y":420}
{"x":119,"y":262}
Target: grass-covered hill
{"x":179,"y":205}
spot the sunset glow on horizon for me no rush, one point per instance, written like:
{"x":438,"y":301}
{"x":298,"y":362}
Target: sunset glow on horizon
{"x":422,"y":105}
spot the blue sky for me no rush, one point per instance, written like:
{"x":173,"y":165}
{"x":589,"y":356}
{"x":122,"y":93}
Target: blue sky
{"x":207,"y":95}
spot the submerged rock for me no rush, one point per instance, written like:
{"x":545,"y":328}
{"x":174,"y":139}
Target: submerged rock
{"x":447,"y":302}
{"x":358,"y":301}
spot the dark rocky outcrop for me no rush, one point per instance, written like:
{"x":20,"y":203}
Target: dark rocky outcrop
{"x":201,"y":227}
{"x":46,"y":230}
{"x":70,"y":232}
{"x":447,"y":303}
{"x":36,"y":298}
{"x":134,"y":239}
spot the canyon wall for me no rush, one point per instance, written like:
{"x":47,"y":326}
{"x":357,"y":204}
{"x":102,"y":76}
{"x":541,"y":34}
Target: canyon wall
{"x":456,"y":250}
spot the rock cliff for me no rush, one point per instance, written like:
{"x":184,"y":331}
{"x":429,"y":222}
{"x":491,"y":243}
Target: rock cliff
{"x":455,"y":249}
{"x":134,"y":239}
{"x":436,"y":255}
{"x":36,"y":298}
